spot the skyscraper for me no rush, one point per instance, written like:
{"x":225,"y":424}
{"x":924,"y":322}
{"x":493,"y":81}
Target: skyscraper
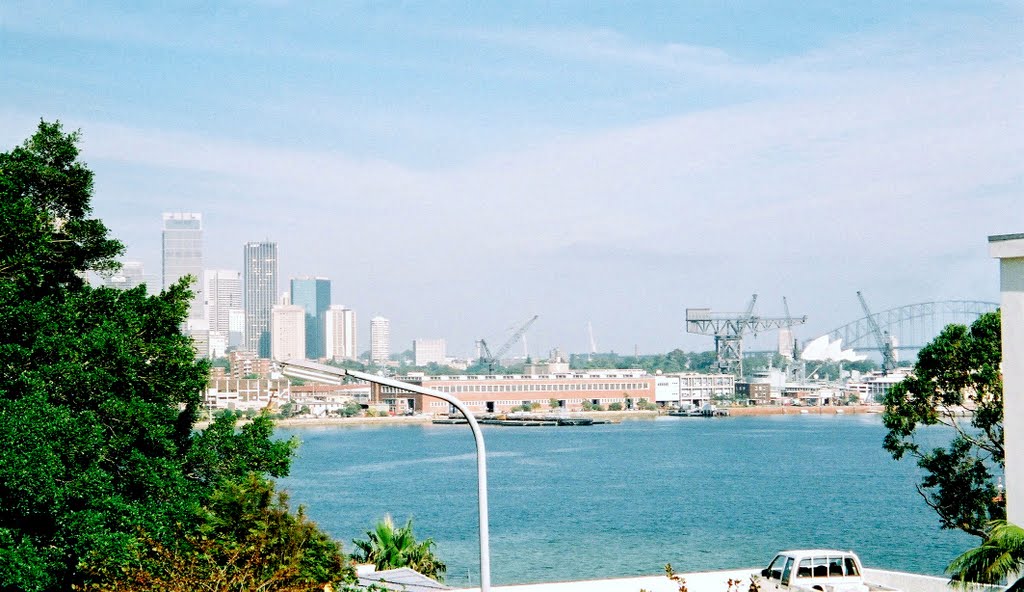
{"x":428,"y":351}
{"x":314,"y":295}
{"x":183,"y":255}
{"x":259,"y":280}
{"x":380,"y":340}
{"x":223,"y":291}
{"x":288,"y":332}
{"x":340,"y":333}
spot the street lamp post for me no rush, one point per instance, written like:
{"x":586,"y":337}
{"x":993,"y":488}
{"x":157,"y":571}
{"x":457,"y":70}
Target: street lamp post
{"x":324,"y":373}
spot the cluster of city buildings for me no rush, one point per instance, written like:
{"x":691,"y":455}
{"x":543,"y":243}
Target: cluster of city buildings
{"x":242,"y":315}
{"x":243,"y":310}
{"x":562,"y":389}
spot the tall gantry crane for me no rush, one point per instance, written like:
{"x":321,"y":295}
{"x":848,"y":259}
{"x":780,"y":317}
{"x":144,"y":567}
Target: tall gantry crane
{"x":492,"y":360}
{"x":882,"y":339}
{"x":729,"y":328}
{"x":794,"y":352}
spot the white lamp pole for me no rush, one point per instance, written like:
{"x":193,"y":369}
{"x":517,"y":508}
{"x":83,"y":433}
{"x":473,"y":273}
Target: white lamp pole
{"x":324,"y":373}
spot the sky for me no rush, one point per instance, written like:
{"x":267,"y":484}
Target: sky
{"x":460,"y":167}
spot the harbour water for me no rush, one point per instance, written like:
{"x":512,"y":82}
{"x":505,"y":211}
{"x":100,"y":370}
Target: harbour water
{"x":618,"y":500}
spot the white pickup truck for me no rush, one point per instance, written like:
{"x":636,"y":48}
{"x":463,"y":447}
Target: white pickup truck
{"x":818,"y":570}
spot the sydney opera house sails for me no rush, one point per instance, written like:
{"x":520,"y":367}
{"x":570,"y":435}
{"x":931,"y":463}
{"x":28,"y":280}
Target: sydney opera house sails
{"x":824,"y":349}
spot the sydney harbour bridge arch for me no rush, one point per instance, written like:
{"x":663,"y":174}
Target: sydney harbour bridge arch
{"x":912,"y":325}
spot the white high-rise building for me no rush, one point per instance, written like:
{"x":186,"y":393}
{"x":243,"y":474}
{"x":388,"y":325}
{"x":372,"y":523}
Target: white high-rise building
{"x":380,"y":340}
{"x":428,"y":351}
{"x":340,"y":334}
{"x":287,"y":332}
{"x":183,"y":255}
{"x":199,"y":331}
{"x":223,"y":291}
{"x":236,"y":326}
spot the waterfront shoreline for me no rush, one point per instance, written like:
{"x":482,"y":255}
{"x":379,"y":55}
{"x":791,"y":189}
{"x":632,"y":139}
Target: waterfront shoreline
{"x":615,"y":416}
{"x":793,"y":410}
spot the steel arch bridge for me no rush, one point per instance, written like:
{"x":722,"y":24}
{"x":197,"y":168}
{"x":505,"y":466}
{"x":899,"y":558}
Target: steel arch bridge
{"x":913,"y":325}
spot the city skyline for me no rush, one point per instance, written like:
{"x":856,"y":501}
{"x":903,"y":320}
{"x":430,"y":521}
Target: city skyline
{"x":464,"y":168}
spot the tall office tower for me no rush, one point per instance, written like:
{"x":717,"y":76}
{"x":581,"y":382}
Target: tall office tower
{"x":314,"y":295}
{"x":183,"y":255}
{"x":340,"y":333}
{"x":259,"y":285}
{"x":380,"y":340}
{"x":288,"y":331}
{"x":428,"y":351}
{"x":223,"y":291}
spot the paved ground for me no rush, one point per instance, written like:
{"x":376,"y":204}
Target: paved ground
{"x":714,"y":581}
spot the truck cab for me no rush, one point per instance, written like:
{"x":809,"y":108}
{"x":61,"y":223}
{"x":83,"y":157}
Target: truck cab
{"x":816,"y":570}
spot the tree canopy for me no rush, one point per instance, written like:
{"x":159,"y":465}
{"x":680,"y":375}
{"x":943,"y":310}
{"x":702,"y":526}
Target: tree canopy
{"x":956,"y":383}
{"x":99,"y":390}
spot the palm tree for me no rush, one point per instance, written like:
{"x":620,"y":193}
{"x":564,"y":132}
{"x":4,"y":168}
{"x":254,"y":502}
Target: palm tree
{"x":388,"y":547}
{"x":1001,"y":555}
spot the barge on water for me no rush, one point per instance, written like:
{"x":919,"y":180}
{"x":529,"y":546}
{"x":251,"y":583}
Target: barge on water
{"x":524,"y":421}
{"x":705,"y":411}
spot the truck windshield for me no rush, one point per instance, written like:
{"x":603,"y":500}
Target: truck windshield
{"x":787,"y":571}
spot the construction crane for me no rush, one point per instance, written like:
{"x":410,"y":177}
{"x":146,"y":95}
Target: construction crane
{"x":729,"y":329}
{"x":882,"y":339}
{"x":795,"y":369}
{"x":794,"y":352}
{"x":492,"y":359}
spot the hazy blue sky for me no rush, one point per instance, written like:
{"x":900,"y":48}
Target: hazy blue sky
{"x":458,"y":167}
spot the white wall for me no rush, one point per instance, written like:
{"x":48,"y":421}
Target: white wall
{"x":1009,"y":249}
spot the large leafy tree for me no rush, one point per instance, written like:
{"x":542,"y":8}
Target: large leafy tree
{"x":99,"y":390}
{"x":956,"y":383}
{"x":388,"y":546}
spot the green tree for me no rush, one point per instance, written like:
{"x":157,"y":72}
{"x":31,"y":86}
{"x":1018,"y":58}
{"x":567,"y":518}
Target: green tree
{"x":350,"y":409}
{"x":99,"y":389}
{"x":47,"y":239}
{"x":958,"y":370}
{"x":389,"y":547}
{"x":246,"y":539}
{"x":1001,"y":555}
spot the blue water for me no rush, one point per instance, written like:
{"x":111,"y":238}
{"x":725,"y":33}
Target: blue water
{"x":618,"y":500}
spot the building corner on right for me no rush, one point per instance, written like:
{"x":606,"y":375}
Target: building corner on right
{"x":1009,"y":249}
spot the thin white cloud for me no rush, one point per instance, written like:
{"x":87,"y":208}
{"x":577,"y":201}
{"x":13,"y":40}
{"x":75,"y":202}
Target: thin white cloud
{"x":852,"y":163}
{"x":931,"y":43}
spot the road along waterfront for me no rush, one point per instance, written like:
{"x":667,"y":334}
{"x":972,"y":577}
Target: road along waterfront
{"x":618,"y":500}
